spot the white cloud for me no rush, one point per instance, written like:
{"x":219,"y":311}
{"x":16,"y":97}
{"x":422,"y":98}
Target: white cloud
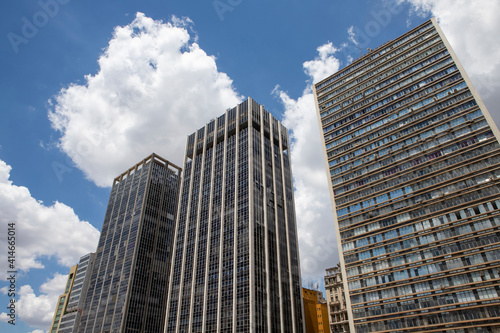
{"x":472,"y":29}
{"x":318,"y":247}
{"x":38,"y":311}
{"x":41,"y":231}
{"x":323,"y":65}
{"x":154,"y":87}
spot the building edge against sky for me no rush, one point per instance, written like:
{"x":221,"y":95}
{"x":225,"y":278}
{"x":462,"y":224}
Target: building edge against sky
{"x":334,"y":104}
{"x":62,"y":301}
{"x":235,"y":264}
{"x":315,"y":311}
{"x":128,"y":285}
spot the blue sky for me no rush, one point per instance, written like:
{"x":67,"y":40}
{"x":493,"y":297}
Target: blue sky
{"x":91,"y":87}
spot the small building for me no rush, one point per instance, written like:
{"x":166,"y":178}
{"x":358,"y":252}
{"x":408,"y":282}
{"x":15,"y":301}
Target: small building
{"x":315,"y":311}
{"x":335,"y":297}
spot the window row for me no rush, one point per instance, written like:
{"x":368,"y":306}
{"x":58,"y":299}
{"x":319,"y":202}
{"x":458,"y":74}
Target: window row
{"x":450,"y":217}
{"x":415,"y":272}
{"x":419,"y":143}
{"x":399,"y":94}
{"x":392,"y":67}
{"x":359,"y":65}
{"x":431,"y":319}
{"x":377,"y":139}
{"x":398,"y":104}
{"x":446,"y":177}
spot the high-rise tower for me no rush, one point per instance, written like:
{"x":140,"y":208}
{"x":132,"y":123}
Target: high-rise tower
{"x":414,"y":165}
{"x":77,"y":293}
{"x":235,"y":257}
{"x":128,"y":286}
{"x":62,"y":302}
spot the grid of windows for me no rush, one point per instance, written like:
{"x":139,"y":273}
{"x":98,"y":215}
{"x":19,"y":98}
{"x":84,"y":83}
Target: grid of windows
{"x":233,"y":270}
{"x":415,"y":173}
{"x":71,"y":318}
{"x":129,"y":278}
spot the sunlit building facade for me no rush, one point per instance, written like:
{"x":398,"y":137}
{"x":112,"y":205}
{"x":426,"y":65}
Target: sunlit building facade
{"x":315,"y":311}
{"x":335,"y":298}
{"x":71,"y":318}
{"x":62,"y":301}
{"x":128,"y":285}
{"x":414,"y":165}
{"x":235,"y":258}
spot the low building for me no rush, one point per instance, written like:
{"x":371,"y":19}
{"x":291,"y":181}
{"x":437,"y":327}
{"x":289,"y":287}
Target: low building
{"x":335,"y":297}
{"x":315,"y":311}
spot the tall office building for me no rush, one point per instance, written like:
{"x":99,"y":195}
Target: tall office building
{"x":235,"y":258}
{"x":62,"y":301}
{"x":414,"y":164}
{"x":128,"y":285}
{"x":81,"y":277}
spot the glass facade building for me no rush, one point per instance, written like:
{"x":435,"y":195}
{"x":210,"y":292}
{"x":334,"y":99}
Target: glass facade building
{"x":128,"y":285}
{"x":414,"y":164}
{"x":235,"y":259}
{"x":71,"y":318}
{"x":62,"y":302}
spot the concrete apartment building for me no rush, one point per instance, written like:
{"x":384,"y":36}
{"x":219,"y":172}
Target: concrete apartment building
{"x":335,"y":298}
{"x":414,"y":164}
{"x":128,"y":285}
{"x":235,"y":258}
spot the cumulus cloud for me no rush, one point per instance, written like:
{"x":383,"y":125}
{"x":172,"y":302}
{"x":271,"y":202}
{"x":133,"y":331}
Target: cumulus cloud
{"x":38,"y":311}
{"x":472,"y":29}
{"x":154,"y":86}
{"x":324,"y":64}
{"x":41,"y":231}
{"x":318,"y":247}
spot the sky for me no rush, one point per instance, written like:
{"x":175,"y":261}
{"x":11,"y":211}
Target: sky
{"x":89,"y":88}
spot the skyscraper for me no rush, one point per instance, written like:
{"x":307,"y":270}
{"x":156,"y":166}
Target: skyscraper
{"x":128,"y":286}
{"x":72,"y":314}
{"x":413,"y":160}
{"x":62,"y":302}
{"x":235,"y":258}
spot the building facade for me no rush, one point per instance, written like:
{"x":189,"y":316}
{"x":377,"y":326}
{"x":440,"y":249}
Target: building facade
{"x":315,"y":311}
{"x":414,"y":164}
{"x":62,"y":302}
{"x":71,"y":318}
{"x":128,"y":285}
{"x":235,"y":258}
{"x":335,"y":298}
